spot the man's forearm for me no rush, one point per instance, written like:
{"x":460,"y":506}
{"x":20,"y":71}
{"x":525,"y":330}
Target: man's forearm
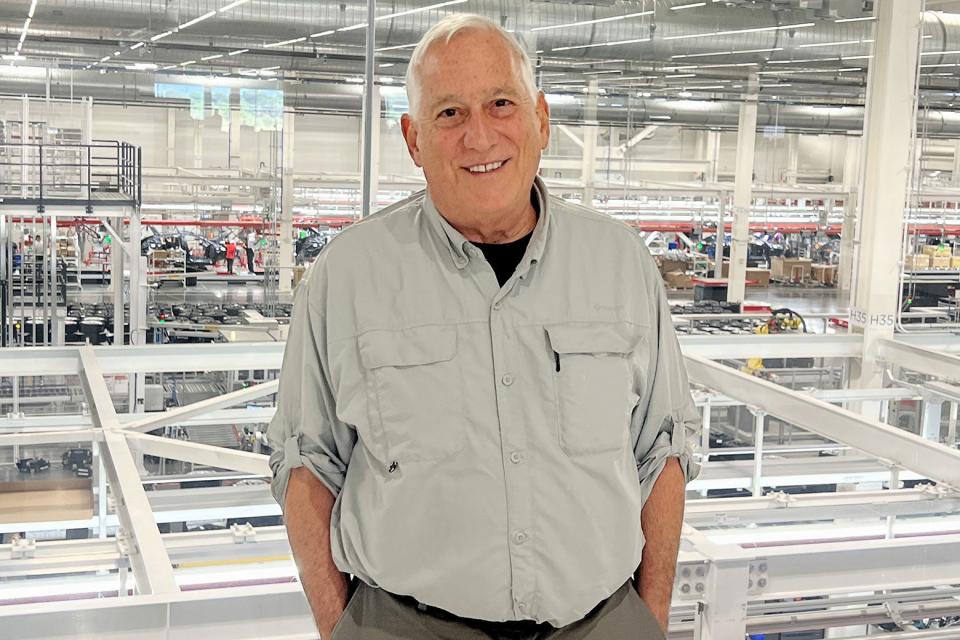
{"x":661,"y":520}
{"x":307,"y":509}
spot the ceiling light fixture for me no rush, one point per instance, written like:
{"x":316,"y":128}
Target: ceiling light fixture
{"x":353,"y":27}
{"x":284,"y":42}
{"x":601,"y":44}
{"x":386,"y":65}
{"x":160,"y":35}
{"x":33,"y":9}
{"x":691,"y":5}
{"x":799,"y":25}
{"x":213,"y":57}
{"x":724,"y":53}
{"x":183,"y":64}
{"x":323,"y":33}
{"x":104,"y":58}
{"x":399,"y":46}
{"x":232,"y":5}
{"x":829,"y":44}
{"x":137,"y":46}
{"x":682,"y":75}
{"x":594,"y":73}
{"x":865,"y":19}
{"x":238,"y":52}
{"x":190,"y":23}
{"x":597,"y":21}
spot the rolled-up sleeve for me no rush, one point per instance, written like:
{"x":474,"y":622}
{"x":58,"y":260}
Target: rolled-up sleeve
{"x":305,"y":431}
{"x":666,"y":415}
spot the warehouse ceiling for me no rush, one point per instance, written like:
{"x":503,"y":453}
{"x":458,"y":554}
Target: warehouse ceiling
{"x":633,"y":50}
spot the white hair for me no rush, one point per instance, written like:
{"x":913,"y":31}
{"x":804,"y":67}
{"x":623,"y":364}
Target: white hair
{"x":444,"y":31}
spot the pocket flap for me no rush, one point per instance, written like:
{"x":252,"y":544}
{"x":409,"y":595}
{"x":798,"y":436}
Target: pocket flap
{"x":407,"y":347}
{"x":593,"y":337}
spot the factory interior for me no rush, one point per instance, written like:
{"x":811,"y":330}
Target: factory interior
{"x":170,"y":169}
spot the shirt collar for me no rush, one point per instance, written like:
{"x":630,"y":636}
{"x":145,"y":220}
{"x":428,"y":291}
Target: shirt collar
{"x":459,"y":245}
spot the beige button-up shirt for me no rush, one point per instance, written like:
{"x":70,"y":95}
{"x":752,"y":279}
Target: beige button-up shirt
{"x":490,"y":448}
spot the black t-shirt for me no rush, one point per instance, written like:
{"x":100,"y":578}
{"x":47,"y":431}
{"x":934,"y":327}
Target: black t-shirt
{"x":505,"y":257}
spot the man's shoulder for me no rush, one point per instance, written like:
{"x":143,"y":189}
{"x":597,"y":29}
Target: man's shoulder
{"x":385,"y":223}
{"x":585,"y":220}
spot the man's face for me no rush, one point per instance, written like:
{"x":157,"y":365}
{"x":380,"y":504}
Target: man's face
{"x":477,"y":132}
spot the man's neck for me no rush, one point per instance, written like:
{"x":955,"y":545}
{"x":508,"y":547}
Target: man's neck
{"x":499,"y":230}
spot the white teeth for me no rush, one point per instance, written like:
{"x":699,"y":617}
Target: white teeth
{"x":483,"y":168}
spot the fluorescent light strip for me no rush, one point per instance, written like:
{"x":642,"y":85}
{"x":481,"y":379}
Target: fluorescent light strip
{"x":799,"y":25}
{"x":232,"y":5}
{"x":682,"y":75}
{"x":104,"y":58}
{"x":399,"y":46}
{"x":137,"y":46}
{"x":829,"y":44}
{"x":213,"y":57}
{"x":270,"y":68}
{"x":353,"y":27}
{"x":845,"y":70}
{"x":692,"y":5}
{"x":940,"y":53}
{"x":323,"y":33}
{"x":842,"y":20}
{"x":601,"y":44}
{"x":589,"y":62}
{"x":418,"y":10}
{"x":33,"y":8}
{"x":594,"y":73}
{"x":284,"y":42}
{"x":183,"y":64}
{"x":238,"y":52}
{"x":190,"y":23}
{"x":597,"y":21}
{"x":716,"y":86}
{"x":724,"y":53}
{"x":160,"y":35}
{"x":942,"y":64}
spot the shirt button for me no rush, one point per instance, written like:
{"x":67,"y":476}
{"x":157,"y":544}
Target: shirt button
{"x":520,"y":537}
{"x":515,"y":457}
{"x":497,"y":305}
{"x":507,"y":380}
{"x":522,"y":606}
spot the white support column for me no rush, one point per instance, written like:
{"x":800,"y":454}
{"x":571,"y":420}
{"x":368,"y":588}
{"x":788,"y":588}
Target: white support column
{"x":285,"y":256}
{"x":724,"y":612}
{"x":951,"y":440}
{"x":743,"y":194}
{"x":86,"y":132}
{"x":197,"y":144}
{"x":956,"y":162}
{"x":374,"y":149}
{"x":890,"y":121}
{"x":233,"y":141}
{"x":793,"y":158}
{"x":171,"y":138}
{"x":25,"y":158}
{"x":712,"y":156}
{"x":588,"y":167}
{"x":851,"y":183}
{"x":759,"y":421}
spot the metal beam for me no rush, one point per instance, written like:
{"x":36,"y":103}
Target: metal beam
{"x":565,"y":130}
{"x":198,"y":453}
{"x":933,"y":363}
{"x":896,"y":446}
{"x":772,"y":346}
{"x":48,"y":437}
{"x":148,"y":556}
{"x":172,"y":416}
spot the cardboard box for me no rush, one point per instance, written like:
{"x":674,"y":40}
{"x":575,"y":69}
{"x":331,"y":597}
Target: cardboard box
{"x":668,"y":265}
{"x":825,"y":274}
{"x":929,"y":249}
{"x":940,"y":262}
{"x":918,"y":262}
{"x":677,"y":280}
{"x":758,"y":277}
{"x":955,"y":262}
{"x":791,"y":269}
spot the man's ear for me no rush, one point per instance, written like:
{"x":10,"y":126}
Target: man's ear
{"x":409,"y":129}
{"x":543,"y":116}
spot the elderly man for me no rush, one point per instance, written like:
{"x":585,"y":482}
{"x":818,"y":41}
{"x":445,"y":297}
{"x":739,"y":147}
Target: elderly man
{"x":482,"y":405}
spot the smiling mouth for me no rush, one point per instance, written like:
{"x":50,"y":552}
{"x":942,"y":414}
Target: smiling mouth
{"x":486,"y":169}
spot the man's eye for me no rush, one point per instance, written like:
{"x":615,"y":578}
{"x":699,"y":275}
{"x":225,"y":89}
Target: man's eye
{"x":448,"y":113}
{"x":502,"y":102}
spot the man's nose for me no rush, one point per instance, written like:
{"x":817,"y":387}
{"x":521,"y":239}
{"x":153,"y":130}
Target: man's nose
{"x":479,"y":135}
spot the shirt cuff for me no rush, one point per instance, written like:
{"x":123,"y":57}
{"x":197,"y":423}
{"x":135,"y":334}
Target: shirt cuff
{"x":671,"y":442}
{"x":289,"y":456}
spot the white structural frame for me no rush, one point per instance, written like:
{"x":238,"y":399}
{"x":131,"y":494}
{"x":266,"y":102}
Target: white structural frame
{"x":707,"y":604}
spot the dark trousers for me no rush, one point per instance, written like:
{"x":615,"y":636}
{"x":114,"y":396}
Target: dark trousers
{"x":373,"y":614}
{"x":229,"y":265}
{"x":249,"y":259}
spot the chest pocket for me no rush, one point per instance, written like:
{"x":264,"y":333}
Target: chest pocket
{"x":593,"y":378}
{"x":415,"y":392}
